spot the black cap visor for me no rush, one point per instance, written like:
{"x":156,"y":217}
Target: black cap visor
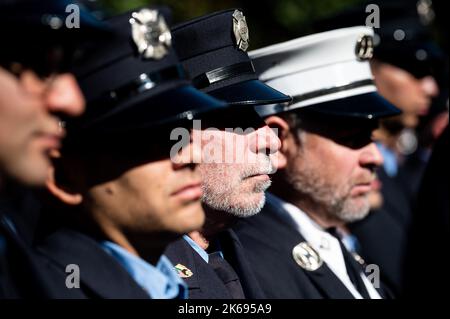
{"x":251,"y":92}
{"x":365,"y":106}
{"x":173,"y":107}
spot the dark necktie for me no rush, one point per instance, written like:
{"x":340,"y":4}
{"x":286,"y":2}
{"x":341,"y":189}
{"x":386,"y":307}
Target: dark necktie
{"x":227,"y":274}
{"x":354,"y":269}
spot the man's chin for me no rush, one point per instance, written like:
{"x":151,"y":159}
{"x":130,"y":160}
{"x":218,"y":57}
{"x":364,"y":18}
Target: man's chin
{"x":33,"y":174}
{"x":191,"y":217}
{"x":250,"y":205}
{"x":355,"y":216}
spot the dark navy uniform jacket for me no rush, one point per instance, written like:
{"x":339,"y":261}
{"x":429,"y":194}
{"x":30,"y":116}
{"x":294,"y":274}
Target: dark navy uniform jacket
{"x":268,"y":240}
{"x":101,"y":276}
{"x":21,"y":274}
{"x":22,"y":271}
{"x":430,"y":230}
{"x":204,"y":282}
{"x":30,"y":269}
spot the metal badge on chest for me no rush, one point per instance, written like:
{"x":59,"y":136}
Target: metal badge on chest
{"x":307,"y":257}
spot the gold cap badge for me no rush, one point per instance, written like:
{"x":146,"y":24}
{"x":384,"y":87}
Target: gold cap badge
{"x":364,"y":48}
{"x":183,"y":271}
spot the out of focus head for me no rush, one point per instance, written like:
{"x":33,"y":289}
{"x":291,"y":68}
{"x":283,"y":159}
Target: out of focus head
{"x":35,"y":88}
{"x":407,"y":64}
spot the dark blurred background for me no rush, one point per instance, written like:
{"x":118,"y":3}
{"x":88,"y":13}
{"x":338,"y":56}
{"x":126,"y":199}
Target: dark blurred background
{"x":270,"y":21}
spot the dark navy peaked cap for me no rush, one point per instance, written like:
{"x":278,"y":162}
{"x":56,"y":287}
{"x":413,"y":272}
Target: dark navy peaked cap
{"x":403,"y":37}
{"x":212,"y":49}
{"x":135,"y":80}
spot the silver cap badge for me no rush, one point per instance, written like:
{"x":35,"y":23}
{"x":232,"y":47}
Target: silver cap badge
{"x":150,"y":34}
{"x":240,"y":30}
{"x":425,"y":11}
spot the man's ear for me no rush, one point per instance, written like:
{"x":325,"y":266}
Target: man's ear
{"x":284,"y":134}
{"x":60,"y":192}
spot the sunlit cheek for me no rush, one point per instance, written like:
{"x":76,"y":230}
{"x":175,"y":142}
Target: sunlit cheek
{"x":335,"y":172}
{"x":211,"y":147}
{"x":219,"y":177}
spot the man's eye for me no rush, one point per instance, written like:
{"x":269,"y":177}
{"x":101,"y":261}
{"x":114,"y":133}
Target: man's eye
{"x":355,"y":141}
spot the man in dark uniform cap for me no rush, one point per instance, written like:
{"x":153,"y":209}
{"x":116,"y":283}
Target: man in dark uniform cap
{"x":327,"y":162}
{"x":403,"y":42}
{"x":35,"y":90}
{"x":407,"y":66}
{"x":213,"y":51}
{"x":122,"y":199}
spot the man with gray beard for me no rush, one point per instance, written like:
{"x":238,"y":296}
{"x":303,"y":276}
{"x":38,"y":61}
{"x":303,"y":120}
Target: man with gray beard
{"x":237,"y":188}
{"x":327,"y":161}
{"x":237,"y":156}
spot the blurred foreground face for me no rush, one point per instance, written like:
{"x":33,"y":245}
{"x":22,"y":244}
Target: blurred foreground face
{"x":29,"y":126}
{"x":413,"y":96}
{"x":332,"y":171}
{"x":235,"y":180}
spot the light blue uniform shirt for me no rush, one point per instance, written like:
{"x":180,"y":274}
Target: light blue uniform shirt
{"x":198,"y":249}
{"x":390,"y":162}
{"x":160,"y":282}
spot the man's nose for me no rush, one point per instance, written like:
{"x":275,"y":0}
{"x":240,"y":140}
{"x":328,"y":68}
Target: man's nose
{"x":371,"y":156}
{"x":265,"y":140}
{"x":63,"y":95}
{"x":188,"y":156}
{"x":429,"y":86}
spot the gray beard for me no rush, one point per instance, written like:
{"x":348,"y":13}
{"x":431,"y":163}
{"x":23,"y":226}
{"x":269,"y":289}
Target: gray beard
{"x":336,"y":203}
{"x":226,"y":203}
{"x":225,"y":196}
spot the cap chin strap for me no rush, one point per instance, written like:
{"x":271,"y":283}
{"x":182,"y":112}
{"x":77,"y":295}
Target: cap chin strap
{"x":145,"y":82}
{"x":223,"y":73}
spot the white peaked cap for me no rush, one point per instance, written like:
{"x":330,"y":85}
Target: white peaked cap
{"x":328,"y":71}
